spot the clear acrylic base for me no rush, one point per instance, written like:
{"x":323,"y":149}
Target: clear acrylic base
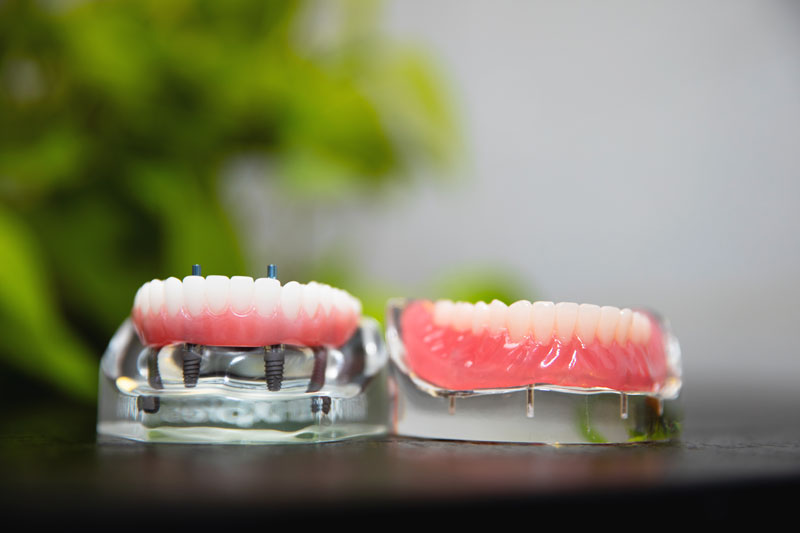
{"x":191,"y":393}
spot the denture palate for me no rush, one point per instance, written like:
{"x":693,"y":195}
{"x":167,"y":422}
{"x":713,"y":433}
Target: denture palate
{"x":464,"y":346}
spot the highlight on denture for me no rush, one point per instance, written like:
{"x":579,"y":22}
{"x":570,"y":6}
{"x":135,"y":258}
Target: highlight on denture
{"x":626,"y":360}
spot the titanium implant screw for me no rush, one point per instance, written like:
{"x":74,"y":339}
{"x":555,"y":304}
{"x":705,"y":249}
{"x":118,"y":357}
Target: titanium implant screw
{"x":191,"y":366}
{"x":273,"y":367}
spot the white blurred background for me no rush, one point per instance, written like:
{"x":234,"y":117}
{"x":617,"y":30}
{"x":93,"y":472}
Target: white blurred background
{"x":621,"y":153}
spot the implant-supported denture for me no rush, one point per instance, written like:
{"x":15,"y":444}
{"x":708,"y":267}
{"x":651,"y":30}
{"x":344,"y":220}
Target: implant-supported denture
{"x":461,"y":346}
{"x":241,"y":311}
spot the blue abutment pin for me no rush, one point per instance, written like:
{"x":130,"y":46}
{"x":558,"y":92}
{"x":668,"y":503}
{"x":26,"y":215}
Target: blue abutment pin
{"x":196,"y":270}
{"x":191,"y":357}
{"x":272,"y":271}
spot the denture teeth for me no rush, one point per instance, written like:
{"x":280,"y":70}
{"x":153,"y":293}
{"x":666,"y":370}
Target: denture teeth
{"x":519,"y":320}
{"x":640,"y":329}
{"x":326,"y":298}
{"x":588,"y":318}
{"x":291,"y":295}
{"x":543,"y":318}
{"x":498,"y":316}
{"x":144,"y":304}
{"x":623,"y":331}
{"x":480,"y":318}
{"x":462,"y":316}
{"x":566,"y":319}
{"x":266,"y":295}
{"x":156,"y":295}
{"x":310,"y":298}
{"x":173,"y":296}
{"x":443,"y":312}
{"x":218,"y":289}
{"x":194,"y":294}
{"x":607,"y":326}
{"x":357,"y":306}
{"x":242,"y":291}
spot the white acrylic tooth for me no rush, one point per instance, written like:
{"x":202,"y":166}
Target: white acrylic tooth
{"x":291,"y":299}
{"x":607,"y":326}
{"x":242,"y":289}
{"x":518,"y":320}
{"x":640,"y":328}
{"x":173,"y":296}
{"x":218,"y":289}
{"x":462,"y":316}
{"x":156,"y":296}
{"x":566,"y":318}
{"x":480,"y":318}
{"x":326,"y":298}
{"x":341,"y":301}
{"x":194,"y":294}
{"x":443,"y":312}
{"x":357,"y":306}
{"x":498,"y":316}
{"x":145,"y":303}
{"x":543,"y":320}
{"x":588,"y":318}
{"x":310,"y":298}
{"x":266,"y":295}
{"x":623,"y":331}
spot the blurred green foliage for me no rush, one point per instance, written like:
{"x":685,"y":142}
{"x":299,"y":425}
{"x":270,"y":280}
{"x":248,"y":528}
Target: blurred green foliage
{"x":116,"y":118}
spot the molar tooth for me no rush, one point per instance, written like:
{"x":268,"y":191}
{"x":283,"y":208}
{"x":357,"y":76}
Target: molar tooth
{"x":443,"y":312}
{"x":173,"y":296}
{"x":498,"y":316}
{"x":623,"y":331}
{"x":291,"y":296}
{"x":607,"y":326}
{"x":566,"y":318}
{"x":480,"y":318}
{"x":242,"y":291}
{"x":218,"y":289}
{"x":588,"y":317}
{"x":266,"y":295}
{"x":310,"y":298}
{"x":194,"y":294}
{"x":518,"y":320}
{"x":543,"y":318}
{"x":462,"y":316}
{"x":640,"y":328}
{"x":156,"y":296}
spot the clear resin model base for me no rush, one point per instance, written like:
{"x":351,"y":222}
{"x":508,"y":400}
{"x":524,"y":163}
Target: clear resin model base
{"x":273,"y":394}
{"x":535,"y":413}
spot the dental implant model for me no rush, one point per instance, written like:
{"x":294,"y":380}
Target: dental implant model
{"x":532,"y":372}
{"x":218,"y":359}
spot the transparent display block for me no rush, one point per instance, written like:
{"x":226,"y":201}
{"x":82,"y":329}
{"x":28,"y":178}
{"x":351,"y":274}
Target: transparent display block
{"x":534,"y":413}
{"x":272,"y":394}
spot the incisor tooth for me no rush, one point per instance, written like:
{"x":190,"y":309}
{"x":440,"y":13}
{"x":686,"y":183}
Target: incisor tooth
{"x":326,"y":298}
{"x":518,"y":320}
{"x":588,"y":317}
{"x":291,"y":300}
{"x":218,"y":288}
{"x":543,"y":318}
{"x":194,"y":294}
{"x":310,"y":299}
{"x":462,"y":316}
{"x":607,"y":326}
{"x":173,"y":296}
{"x":498,"y":316}
{"x":156,"y":295}
{"x":443,"y":312}
{"x":266,"y":295}
{"x":242,"y":288}
{"x":623,"y":331}
{"x":480,"y":318}
{"x":566,"y":318}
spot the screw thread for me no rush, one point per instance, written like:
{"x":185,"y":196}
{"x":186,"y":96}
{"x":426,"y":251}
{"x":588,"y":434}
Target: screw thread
{"x":273,"y":368}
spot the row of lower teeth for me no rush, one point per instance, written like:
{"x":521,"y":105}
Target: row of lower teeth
{"x":544,"y":321}
{"x":242,"y":295}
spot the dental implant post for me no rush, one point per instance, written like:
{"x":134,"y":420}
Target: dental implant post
{"x":273,"y":357}
{"x":191,"y":359}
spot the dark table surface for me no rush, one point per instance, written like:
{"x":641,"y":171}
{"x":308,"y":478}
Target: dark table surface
{"x":739,"y":452}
